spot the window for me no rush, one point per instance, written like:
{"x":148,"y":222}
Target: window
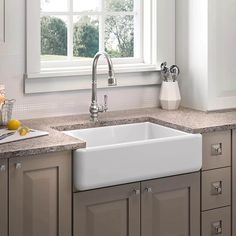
{"x":74,"y":30}
{"x":62,"y":37}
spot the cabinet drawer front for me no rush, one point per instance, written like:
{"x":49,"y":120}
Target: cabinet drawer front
{"x":216,"y":150}
{"x":216,"y":222}
{"x":216,"y":188}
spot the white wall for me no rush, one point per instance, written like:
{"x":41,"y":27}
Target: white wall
{"x":12,"y":67}
{"x":222,"y":51}
{"x":191,"y":51}
{"x":205,"y":49}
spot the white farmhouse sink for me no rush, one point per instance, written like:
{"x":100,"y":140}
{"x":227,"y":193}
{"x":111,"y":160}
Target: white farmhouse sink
{"x":133,"y":152}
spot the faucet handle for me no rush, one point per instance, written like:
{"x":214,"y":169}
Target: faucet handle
{"x":105,"y":102}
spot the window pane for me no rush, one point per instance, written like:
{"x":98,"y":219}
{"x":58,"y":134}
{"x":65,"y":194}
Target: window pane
{"x":87,"y":5}
{"x":119,"y":36}
{"x":86,"y":36}
{"x":53,"y":38}
{"x":119,"y":5}
{"x":54,"y":5}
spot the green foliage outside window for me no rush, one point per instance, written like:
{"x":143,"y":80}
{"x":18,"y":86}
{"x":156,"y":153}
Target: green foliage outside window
{"x":53,"y":36}
{"x":86,"y":37}
{"x":119,"y":33}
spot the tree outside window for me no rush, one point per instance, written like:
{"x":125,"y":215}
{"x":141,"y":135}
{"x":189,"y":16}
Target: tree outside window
{"x":116,"y":26}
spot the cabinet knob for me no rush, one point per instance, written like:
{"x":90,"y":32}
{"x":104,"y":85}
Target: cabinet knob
{"x":148,"y":190}
{"x":18,"y":165}
{"x":216,"y":188}
{"x":216,"y":149}
{"x":216,"y":228}
{"x":136,"y":191}
{"x":2,"y":168}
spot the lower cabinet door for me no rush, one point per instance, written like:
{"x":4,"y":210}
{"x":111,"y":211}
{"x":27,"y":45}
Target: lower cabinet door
{"x":40,"y":195}
{"x":171,"y":206}
{"x":113,"y":211}
{"x":3,"y":198}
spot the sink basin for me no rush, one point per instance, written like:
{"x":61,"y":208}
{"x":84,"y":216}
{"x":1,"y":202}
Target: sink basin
{"x":133,"y":152}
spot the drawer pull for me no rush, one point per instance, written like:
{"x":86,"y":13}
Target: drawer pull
{"x":216,"y":149}
{"x":216,"y":228}
{"x":216,"y":188}
{"x":2,"y":168}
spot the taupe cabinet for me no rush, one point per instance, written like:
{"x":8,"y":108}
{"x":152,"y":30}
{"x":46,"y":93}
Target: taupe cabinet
{"x":3,"y":198}
{"x":170,"y":206}
{"x":162,"y":207}
{"x":40,"y":194}
{"x":216,"y":184}
{"x":234,"y":183}
{"x":110,"y":211}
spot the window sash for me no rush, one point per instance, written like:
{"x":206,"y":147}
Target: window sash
{"x":102,"y":14}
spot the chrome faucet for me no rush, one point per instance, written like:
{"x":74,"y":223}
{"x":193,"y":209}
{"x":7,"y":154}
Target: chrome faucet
{"x":95,"y":108}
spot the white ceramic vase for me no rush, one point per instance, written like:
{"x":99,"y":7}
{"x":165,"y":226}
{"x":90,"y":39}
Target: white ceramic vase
{"x":170,"y":95}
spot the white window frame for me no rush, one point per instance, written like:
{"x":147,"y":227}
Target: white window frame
{"x":2,"y":21}
{"x":158,"y":45}
{"x":71,"y":63}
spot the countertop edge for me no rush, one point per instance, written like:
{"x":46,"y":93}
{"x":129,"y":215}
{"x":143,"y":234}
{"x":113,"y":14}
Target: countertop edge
{"x":186,"y":120}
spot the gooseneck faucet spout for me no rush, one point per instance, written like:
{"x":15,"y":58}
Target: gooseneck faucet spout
{"x":94,"y":107}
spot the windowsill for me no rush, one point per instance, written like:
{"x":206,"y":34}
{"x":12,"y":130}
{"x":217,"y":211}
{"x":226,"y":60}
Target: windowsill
{"x":102,"y":70}
{"x":62,"y":80}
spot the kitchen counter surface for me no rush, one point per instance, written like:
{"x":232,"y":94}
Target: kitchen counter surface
{"x":187,"y":120}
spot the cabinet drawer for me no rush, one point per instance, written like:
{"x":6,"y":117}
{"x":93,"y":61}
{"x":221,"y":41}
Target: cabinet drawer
{"x":216,"y":222}
{"x":216,"y":150}
{"x":216,"y":188}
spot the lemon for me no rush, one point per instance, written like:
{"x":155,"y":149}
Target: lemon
{"x":24,"y":130}
{"x":13,"y":124}
{"x":2,"y":99}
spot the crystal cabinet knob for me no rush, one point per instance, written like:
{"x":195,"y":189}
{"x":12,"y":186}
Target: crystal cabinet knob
{"x":216,"y":149}
{"x":18,"y":166}
{"x":216,"y":188}
{"x":148,"y":190}
{"x":216,"y":228}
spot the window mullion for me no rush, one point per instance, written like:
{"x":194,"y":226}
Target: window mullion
{"x":70,"y":31}
{"x":138,"y":28}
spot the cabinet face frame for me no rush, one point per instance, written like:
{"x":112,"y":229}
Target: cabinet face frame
{"x":234,"y":182}
{"x":4,"y":198}
{"x":2,"y":21}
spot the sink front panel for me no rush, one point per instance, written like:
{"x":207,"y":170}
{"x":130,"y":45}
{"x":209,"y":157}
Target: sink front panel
{"x":102,"y":166}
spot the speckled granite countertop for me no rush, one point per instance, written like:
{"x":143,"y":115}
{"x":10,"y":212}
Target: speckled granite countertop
{"x":184,"y":119}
